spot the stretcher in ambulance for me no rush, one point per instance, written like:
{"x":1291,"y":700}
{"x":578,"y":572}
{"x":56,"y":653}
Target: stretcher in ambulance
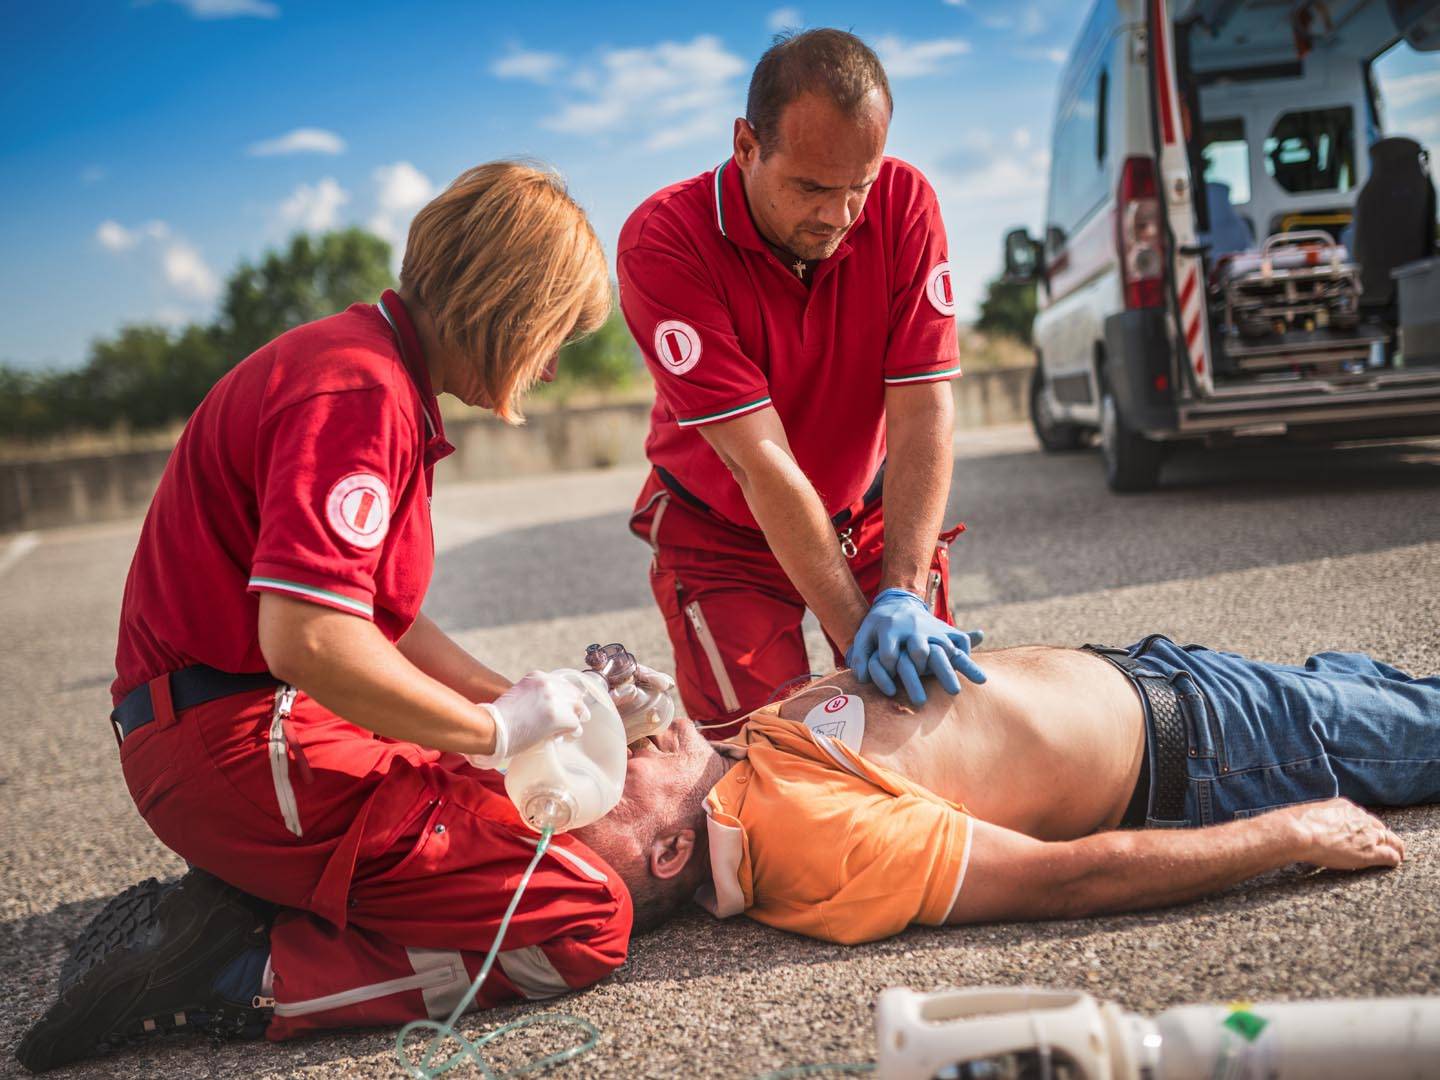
{"x":1233,"y":247}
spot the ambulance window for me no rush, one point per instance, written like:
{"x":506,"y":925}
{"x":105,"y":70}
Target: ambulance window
{"x":1313,"y":150}
{"x":1226,"y":155}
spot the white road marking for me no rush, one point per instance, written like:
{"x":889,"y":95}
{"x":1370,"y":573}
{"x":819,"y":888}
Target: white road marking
{"x":17,"y":549}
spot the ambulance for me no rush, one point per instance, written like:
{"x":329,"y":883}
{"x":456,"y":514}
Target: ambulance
{"x":1233,"y":249}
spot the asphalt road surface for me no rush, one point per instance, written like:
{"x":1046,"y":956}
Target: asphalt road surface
{"x":1278,"y":554}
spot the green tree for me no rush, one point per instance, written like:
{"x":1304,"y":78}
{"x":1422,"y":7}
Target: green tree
{"x":606,"y":360}
{"x":313,"y":277}
{"x":1008,"y":308}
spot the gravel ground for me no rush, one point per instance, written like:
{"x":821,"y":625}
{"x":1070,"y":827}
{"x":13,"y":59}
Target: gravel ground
{"x":1278,"y":554}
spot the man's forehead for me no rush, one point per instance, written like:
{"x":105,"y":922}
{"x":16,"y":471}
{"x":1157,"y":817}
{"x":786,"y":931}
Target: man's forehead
{"x":821,"y":145}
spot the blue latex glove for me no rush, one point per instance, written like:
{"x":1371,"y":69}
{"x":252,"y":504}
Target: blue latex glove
{"x":901,"y":638}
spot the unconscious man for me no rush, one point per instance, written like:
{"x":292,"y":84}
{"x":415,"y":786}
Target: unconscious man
{"x":1072,"y":782}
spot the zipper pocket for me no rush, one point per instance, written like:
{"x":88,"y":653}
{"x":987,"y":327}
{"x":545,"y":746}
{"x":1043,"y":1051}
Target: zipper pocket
{"x":712,"y":655}
{"x":421,"y":980}
{"x":280,"y":759}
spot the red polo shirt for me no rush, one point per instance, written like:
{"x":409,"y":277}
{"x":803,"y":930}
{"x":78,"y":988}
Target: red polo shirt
{"x":726,"y":328}
{"x":305,"y":471}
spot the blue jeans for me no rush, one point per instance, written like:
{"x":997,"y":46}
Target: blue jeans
{"x":1268,"y":735}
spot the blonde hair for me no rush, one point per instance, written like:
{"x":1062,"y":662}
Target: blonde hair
{"x":508,"y":267}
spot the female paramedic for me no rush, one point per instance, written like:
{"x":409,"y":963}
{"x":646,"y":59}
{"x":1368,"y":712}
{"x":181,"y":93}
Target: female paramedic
{"x":289,"y":721}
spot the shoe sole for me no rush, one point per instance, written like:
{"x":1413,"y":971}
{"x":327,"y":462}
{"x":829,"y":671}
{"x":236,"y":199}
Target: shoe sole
{"x":118,"y":925}
{"x":130,"y":973}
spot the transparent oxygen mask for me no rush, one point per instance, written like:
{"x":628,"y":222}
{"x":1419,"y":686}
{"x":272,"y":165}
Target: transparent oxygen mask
{"x":644,"y":710}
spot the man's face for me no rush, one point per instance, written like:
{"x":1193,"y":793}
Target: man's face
{"x":665,"y":778}
{"x":808,"y":192}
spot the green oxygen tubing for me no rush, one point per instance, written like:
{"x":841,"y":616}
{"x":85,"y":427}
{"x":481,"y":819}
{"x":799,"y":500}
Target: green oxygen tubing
{"x":427,"y":1068}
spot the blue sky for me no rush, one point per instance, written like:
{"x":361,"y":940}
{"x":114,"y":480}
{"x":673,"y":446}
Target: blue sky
{"x":149,"y":146}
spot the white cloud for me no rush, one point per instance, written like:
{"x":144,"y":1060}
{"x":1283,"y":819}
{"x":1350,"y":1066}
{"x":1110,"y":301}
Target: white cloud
{"x":991,"y":183}
{"x":1411,"y":89}
{"x":536,"y":67}
{"x":188,"y":273}
{"x":676,"y":91}
{"x":93,"y":174}
{"x":299,"y":141}
{"x":230,"y":9}
{"x":911,"y":59}
{"x":400,"y":190}
{"x":181,"y":265}
{"x":313,"y":207}
{"x":785,"y":18}
{"x":1027,"y":23}
{"x":113,"y":236}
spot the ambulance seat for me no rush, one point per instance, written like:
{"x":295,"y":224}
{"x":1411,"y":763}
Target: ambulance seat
{"x":1394,"y":217}
{"x":1228,"y":231}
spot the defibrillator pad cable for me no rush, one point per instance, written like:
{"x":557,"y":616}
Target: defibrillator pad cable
{"x":427,"y":1069}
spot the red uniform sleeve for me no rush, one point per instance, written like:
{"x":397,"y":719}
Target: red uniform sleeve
{"x":329,"y":470}
{"x":688,"y":339}
{"x":923,"y":343}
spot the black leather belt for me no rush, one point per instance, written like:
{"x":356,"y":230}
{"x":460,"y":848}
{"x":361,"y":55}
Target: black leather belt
{"x":1160,"y":790}
{"x":189,"y":687}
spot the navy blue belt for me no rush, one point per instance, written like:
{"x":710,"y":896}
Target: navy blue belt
{"x":189,"y":687}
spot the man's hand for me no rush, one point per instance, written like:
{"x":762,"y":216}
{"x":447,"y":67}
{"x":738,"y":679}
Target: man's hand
{"x":645,"y":704}
{"x":901,"y":638}
{"x":1338,"y":835}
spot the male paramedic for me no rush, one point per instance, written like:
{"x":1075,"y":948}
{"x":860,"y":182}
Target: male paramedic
{"x":1074,"y":782}
{"x":794,"y":307}
{"x":291,"y":724}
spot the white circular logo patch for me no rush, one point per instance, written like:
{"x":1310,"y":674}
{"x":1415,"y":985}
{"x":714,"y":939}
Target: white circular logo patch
{"x":677,"y":345}
{"x":358,"y":509}
{"x":939,"y":291}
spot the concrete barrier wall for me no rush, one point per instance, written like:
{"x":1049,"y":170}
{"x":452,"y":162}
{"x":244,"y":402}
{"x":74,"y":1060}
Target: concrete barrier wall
{"x":75,"y":490}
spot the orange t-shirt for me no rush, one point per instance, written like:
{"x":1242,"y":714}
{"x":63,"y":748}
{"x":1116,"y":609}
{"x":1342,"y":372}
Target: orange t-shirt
{"x":807,"y":836}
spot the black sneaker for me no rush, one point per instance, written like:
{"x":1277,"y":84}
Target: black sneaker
{"x":146,"y":967}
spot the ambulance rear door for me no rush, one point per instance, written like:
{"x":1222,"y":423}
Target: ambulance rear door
{"x":1185,"y":284}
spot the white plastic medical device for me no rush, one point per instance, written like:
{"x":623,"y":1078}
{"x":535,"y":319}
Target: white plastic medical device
{"x":567,"y":782}
{"x":1002,"y":1033}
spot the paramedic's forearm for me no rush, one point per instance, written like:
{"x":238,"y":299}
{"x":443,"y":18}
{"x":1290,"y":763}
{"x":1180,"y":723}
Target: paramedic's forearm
{"x":438,"y":655}
{"x":803,"y":540}
{"x":793,"y":518}
{"x":346,"y":664}
{"x":919,"y":426}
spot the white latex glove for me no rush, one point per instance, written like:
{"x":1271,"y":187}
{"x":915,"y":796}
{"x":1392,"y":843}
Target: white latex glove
{"x":645,"y":703}
{"x":538,"y":707}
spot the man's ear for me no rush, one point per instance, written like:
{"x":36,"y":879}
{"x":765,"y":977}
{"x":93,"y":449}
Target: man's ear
{"x":670,"y":854}
{"x":747,"y":143}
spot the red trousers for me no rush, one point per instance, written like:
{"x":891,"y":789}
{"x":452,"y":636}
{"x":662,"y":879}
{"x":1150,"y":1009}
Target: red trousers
{"x":393,"y":864}
{"x":731,"y":612}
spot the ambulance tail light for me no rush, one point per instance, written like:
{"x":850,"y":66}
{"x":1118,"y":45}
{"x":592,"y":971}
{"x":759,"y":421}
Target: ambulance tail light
{"x":1140,"y":235}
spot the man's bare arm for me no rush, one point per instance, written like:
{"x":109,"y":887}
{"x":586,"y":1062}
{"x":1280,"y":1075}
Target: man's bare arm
{"x":920,"y":431}
{"x":1011,"y":876}
{"x":757,"y":453}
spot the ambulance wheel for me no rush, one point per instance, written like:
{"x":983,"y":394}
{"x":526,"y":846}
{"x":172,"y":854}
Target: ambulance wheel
{"x":1132,"y":462}
{"x":1055,"y":435}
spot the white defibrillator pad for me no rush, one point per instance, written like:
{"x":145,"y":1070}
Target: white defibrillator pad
{"x":842,"y":718}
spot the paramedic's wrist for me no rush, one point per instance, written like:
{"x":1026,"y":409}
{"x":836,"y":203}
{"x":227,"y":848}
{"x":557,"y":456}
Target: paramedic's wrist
{"x":499,"y":740}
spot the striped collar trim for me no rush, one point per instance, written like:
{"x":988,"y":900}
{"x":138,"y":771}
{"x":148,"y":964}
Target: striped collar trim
{"x":720,"y":200}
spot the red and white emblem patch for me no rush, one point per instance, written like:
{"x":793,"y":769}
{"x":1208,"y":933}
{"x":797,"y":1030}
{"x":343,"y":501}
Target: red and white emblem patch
{"x":939,"y":291}
{"x":677,"y":346}
{"x":358,"y":509}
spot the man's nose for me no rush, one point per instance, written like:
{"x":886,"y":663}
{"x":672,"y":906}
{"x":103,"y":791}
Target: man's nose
{"x":835,"y":211}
